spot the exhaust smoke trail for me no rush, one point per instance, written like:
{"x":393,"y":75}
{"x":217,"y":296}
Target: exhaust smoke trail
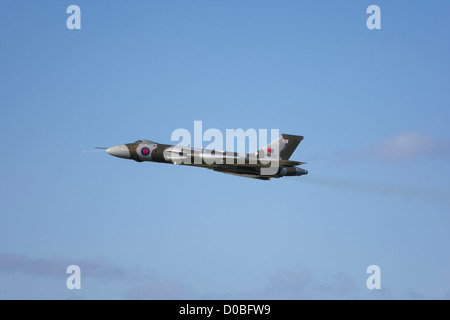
{"x":405,"y":192}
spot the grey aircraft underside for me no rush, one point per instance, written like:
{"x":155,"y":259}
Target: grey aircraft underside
{"x":270,"y":162}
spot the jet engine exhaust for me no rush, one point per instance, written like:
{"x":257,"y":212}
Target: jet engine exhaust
{"x":292,"y":171}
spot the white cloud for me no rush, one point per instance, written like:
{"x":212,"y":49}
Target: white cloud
{"x":161,"y":289}
{"x":57,"y":265}
{"x":300,"y":283}
{"x":406,"y":146}
{"x":134,"y":283}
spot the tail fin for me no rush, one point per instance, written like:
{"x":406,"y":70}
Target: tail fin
{"x":285,"y":145}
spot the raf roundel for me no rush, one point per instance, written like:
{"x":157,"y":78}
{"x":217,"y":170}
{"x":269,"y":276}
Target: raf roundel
{"x":145,"y":151}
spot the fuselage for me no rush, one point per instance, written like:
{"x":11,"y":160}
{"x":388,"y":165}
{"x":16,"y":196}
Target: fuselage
{"x":243,"y":164}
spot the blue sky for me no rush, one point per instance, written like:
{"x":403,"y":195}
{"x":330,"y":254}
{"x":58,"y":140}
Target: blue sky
{"x":373,"y":106}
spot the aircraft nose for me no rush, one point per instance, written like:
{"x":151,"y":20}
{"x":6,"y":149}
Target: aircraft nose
{"x":119,"y":151}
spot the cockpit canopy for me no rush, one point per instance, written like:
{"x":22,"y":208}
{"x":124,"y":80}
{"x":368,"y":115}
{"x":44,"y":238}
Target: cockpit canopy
{"x":144,"y":142}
